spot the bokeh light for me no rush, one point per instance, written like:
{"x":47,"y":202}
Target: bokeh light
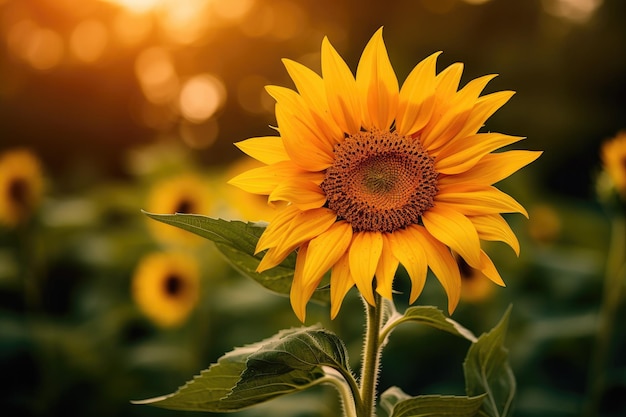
{"x":41,"y":47}
{"x":139,"y":6}
{"x":578,"y":11}
{"x":200,"y":97}
{"x":232,"y":9}
{"x":132,"y":28}
{"x":89,"y":40}
{"x":156,"y":74}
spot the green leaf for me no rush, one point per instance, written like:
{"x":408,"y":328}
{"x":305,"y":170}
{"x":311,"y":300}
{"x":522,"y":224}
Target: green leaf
{"x":400,"y":404}
{"x":237,"y":241}
{"x":290,"y":361}
{"x":391,"y":397}
{"x":488,"y":371}
{"x":430,"y":316}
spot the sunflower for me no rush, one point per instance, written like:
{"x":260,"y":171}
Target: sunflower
{"x":165,"y":286}
{"x":613,"y":154}
{"x":238,"y":203}
{"x":184,"y":193}
{"x":376,"y":175}
{"x":21,"y":186}
{"x":476,"y":286}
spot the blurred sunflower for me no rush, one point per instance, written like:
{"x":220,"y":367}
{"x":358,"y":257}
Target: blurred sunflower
{"x":613,"y":155}
{"x":185,"y":193}
{"x":476,"y":287}
{"x":166,"y":287}
{"x":240,"y":204}
{"x":21,"y":186}
{"x":376,"y":175}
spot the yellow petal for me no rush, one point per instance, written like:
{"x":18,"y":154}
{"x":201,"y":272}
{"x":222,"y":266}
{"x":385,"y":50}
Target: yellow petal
{"x":493,"y":168}
{"x":476,"y":200}
{"x":301,"y":193}
{"x":455,"y":230}
{"x":341,"y":91}
{"x":494,"y":227}
{"x":412,"y":256}
{"x":277,"y":228}
{"x":386,"y":269}
{"x":340,"y":283}
{"x":442,"y":263}
{"x":301,"y":292}
{"x":273,"y":257}
{"x":364,"y":255}
{"x":462,"y":154}
{"x":312,"y":90}
{"x":489,"y":270}
{"x":454,"y":114}
{"x":267,"y":149}
{"x":290,"y":231}
{"x":325,"y":250}
{"x":484,"y":108}
{"x":448,"y":82}
{"x":263,"y":180}
{"x":303,"y":141}
{"x":377,"y":84}
{"x":417,"y":97}
{"x":306,"y":225}
{"x":309,"y":85}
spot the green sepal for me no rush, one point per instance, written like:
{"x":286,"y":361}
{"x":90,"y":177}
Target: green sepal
{"x":237,"y":241}
{"x":399,"y":404}
{"x":487,"y":370}
{"x":288,"y":362}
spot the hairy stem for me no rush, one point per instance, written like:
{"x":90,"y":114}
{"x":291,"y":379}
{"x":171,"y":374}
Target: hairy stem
{"x":371,"y":358}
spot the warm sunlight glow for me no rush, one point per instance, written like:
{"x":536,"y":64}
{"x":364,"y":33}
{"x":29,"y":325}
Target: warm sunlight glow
{"x":578,"y":11}
{"x":131,"y":28}
{"x":185,"y":21}
{"x":200,"y":97}
{"x":182,"y":21}
{"x":41,"y":47}
{"x":232,"y":9}
{"x":88,"y":40}
{"x":139,"y":6}
{"x":156,"y":74}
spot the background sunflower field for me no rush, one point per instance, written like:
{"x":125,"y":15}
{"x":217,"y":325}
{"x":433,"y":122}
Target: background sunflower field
{"x":108,"y":107}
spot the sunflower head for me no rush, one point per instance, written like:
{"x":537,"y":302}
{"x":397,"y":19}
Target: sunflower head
{"x":613,"y":154}
{"x":21,"y":186}
{"x":373,"y":174}
{"x":165,"y":287}
{"x":186,"y":193}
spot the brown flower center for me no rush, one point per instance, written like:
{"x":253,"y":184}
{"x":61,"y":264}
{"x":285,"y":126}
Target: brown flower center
{"x":185,"y":206}
{"x":19,"y":192}
{"x":173,"y":285}
{"x":380,"y":181}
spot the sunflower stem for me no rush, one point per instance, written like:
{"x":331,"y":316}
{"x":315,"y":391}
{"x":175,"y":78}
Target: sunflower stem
{"x":614,"y":273}
{"x":371,"y":358}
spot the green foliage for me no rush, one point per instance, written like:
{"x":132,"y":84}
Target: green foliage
{"x":487,"y":370}
{"x":237,"y":241}
{"x":399,"y":404}
{"x":290,"y":361}
{"x":430,"y":316}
